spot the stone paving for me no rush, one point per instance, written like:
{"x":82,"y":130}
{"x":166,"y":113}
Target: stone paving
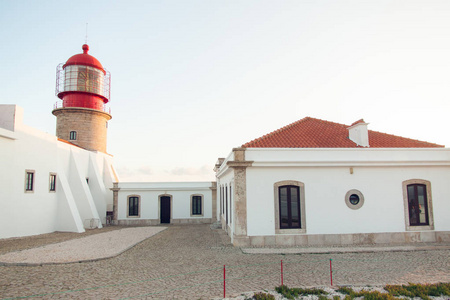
{"x":186,"y":262}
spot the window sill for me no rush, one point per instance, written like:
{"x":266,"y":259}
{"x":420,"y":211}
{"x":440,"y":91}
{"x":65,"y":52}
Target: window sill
{"x":290,"y":231}
{"x":419,"y":228}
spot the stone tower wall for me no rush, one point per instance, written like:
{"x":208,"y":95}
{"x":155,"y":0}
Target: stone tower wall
{"x":90,"y":125}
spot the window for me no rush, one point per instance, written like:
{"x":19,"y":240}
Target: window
{"x":231,"y":205}
{"x":226,"y":204}
{"x":220,"y":199}
{"x":289,"y":206}
{"x":72,"y":135}
{"x":289,"y":198}
{"x":354,"y":199}
{"x":52,"y":184}
{"x":29,"y":181}
{"x":196,"y":205}
{"x":418,"y":205}
{"x":133,"y":206}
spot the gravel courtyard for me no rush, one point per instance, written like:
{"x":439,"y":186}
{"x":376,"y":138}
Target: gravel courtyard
{"x":186,"y":262}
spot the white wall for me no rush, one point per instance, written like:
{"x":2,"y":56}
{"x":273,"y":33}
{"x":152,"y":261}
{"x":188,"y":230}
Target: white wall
{"x":41,"y":211}
{"x":326,"y":186}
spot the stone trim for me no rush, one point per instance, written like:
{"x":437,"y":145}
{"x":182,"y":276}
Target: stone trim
{"x":346,"y":239}
{"x":214,"y":200}
{"x":347,"y":199}
{"x":202,"y":205}
{"x":159,"y":207}
{"x":128,"y":206}
{"x":115,"y":189}
{"x":301,"y":186}
{"x":429,"y":203}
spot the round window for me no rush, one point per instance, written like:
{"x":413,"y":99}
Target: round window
{"x":354,"y":199}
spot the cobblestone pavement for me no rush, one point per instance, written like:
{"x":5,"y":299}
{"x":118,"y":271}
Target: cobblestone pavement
{"x":186,"y":262}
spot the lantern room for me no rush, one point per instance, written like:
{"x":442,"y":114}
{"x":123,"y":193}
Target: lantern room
{"x":83,"y":82}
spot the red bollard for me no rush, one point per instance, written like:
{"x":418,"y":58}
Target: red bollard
{"x":281,"y":272}
{"x":331,"y":273}
{"x":224,"y":281}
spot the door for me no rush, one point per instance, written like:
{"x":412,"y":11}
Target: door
{"x":165,"y":209}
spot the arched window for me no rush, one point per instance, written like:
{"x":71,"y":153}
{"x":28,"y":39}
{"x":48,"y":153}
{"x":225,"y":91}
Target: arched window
{"x":289,"y":207}
{"x":418,"y":204}
{"x":196,"y":205}
{"x":134,"y":206}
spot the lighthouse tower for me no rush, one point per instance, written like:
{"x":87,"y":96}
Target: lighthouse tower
{"x":83,"y":85}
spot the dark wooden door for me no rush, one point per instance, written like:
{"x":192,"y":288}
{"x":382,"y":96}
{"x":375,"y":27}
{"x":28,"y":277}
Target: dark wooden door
{"x":165,"y":209}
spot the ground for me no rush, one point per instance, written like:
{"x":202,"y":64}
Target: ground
{"x":186,"y":262}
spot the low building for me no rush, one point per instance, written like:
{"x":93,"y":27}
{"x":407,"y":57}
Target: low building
{"x":316,"y":182}
{"x":154,"y":203}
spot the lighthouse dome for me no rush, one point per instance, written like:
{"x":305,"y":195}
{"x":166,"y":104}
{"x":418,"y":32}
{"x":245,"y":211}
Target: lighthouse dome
{"x":84,"y":59}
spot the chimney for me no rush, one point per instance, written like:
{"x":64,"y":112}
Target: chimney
{"x":359,"y":134}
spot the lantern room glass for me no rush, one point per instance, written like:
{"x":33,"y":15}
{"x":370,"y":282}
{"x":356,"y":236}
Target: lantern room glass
{"x":84,"y":79}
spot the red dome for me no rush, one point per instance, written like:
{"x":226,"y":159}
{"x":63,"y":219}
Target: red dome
{"x":84,"y":59}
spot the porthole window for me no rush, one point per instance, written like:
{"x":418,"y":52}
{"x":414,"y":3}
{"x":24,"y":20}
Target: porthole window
{"x":354,"y":199}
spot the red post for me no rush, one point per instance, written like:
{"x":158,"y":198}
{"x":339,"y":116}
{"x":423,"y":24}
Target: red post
{"x":224,"y":281}
{"x":331,"y":273}
{"x":281,"y":272}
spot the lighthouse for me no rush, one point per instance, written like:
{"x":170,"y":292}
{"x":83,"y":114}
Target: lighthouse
{"x":83,"y":86}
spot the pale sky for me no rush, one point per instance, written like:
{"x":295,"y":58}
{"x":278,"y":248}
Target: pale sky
{"x":193,"y":79}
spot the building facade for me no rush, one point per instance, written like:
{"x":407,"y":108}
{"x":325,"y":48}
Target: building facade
{"x":315,"y":182}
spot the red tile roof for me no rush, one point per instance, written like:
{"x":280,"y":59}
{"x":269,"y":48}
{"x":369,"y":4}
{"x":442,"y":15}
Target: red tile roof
{"x":315,"y":133}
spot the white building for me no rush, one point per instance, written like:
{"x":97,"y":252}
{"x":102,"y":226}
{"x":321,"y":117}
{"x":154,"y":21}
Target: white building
{"x":153,"y":203}
{"x":315,"y":182}
{"x":49,"y":184}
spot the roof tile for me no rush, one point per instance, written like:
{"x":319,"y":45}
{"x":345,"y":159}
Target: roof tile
{"x":315,"y":133}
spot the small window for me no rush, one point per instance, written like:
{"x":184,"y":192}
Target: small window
{"x":29,"y":180}
{"x":133,"y":206}
{"x":196,"y":205}
{"x":354,"y":199}
{"x":87,"y":180}
{"x":73,"y":135}
{"x":52,"y":184}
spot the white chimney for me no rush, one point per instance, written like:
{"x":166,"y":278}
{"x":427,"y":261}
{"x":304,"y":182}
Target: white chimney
{"x":359,"y":134}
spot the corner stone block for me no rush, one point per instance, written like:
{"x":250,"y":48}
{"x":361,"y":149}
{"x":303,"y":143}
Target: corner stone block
{"x":398,"y":237}
{"x":346,"y":239}
{"x":382,"y":238}
{"x":443,"y":236}
{"x":301,"y":240}
{"x":428,"y":237}
{"x":269,"y":241}
{"x":257,"y":241}
{"x":332,"y":239}
{"x":285,"y":240}
{"x":412,"y":237}
{"x":316,"y":239}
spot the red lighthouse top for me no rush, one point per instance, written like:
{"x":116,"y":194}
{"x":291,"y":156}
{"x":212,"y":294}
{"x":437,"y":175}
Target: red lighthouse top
{"x":84,"y":59}
{"x":83,"y":82}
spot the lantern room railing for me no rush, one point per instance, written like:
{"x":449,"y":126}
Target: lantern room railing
{"x":60,"y":104}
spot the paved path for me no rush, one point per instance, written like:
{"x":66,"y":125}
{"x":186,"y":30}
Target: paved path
{"x":90,"y":248}
{"x":186,"y":262}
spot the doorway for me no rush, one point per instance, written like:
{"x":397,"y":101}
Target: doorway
{"x":165,"y":210}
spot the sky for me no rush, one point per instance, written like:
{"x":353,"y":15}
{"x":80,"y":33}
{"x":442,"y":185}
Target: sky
{"x":190,"y":80}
